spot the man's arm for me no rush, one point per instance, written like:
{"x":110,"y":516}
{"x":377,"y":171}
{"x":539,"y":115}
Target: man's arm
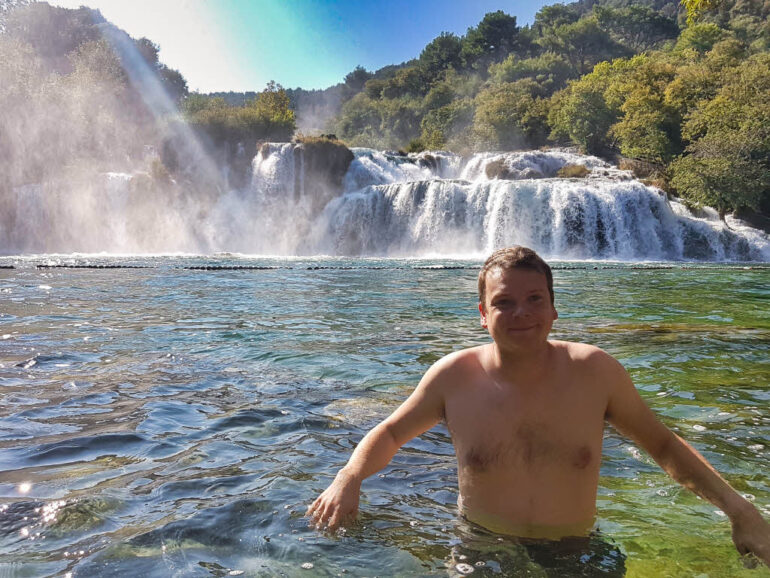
{"x":628,"y":413}
{"x":338,"y":504}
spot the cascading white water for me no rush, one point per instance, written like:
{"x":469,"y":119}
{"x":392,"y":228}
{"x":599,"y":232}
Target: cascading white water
{"x":459,"y":210}
{"x":433,"y":203}
{"x":101,"y":210}
{"x":581,"y":220}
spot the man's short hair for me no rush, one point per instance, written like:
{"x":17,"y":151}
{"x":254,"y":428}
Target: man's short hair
{"x":516,"y":257}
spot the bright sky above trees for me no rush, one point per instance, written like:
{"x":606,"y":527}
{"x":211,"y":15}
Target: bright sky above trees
{"x":240,"y":45}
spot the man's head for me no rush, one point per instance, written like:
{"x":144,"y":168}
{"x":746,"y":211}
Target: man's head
{"x":516,"y":257}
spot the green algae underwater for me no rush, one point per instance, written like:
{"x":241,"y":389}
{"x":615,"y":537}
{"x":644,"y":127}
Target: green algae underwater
{"x":165,"y":420}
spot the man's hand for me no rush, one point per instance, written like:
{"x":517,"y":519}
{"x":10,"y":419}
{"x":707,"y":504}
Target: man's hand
{"x":751,"y":533}
{"x":338,"y":504}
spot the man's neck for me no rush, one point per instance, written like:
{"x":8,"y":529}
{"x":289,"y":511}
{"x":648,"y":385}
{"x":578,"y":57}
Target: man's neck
{"x":521,"y":366}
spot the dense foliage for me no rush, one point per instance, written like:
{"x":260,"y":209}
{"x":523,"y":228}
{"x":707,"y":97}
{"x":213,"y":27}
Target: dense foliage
{"x":683,"y":91}
{"x":77,"y":94}
{"x":265,"y":117}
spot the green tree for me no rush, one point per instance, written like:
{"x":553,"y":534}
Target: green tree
{"x":441,"y":94}
{"x":699,"y":78}
{"x":511,"y":116}
{"x":448,"y":126}
{"x":550,"y":70}
{"x":400,"y":122}
{"x":356,"y":79}
{"x":636,"y":27}
{"x":582,"y":43}
{"x":439,"y":54}
{"x":496,"y":35}
{"x":407,"y":81}
{"x":581,"y":114}
{"x":272,"y":114}
{"x":696,"y":8}
{"x":621,"y":106}
{"x":647,"y":130}
{"x":374,"y":87}
{"x":53,"y":32}
{"x":700,"y":37}
{"x":173,"y":81}
{"x":148,"y":50}
{"x":97,"y":59}
{"x":267,"y":117}
{"x":359,"y":121}
{"x":465,"y":84}
{"x":195,"y":102}
{"x":728,"y":160}
{"x":552,"y":16}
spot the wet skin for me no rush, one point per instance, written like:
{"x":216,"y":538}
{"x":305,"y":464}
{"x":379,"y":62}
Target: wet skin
{"x":533,"y":468}
{"x":527,"y":416}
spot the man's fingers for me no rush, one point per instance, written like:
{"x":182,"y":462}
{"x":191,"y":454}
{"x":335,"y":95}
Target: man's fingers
{"x":764,"y":555}
{"x":749,"y":561}
{"x":751,"y":556}
{"x":314,"y":506}
{"x":316,"y":512}
{"x":350,"y":517}
{"x":334,"y":521}
{"x":320,"y":515}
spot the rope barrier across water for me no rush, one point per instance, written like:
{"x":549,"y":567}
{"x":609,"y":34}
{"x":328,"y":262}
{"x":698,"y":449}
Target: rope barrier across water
{"x":45,"y":266}
{"x":689,"y":266}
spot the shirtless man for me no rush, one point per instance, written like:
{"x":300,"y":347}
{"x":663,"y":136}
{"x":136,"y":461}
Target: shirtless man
{"x":526,"y":417}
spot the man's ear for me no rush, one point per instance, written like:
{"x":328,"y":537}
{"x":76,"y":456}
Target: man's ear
{"x":483,"y":315}
{"x":555,"y":314}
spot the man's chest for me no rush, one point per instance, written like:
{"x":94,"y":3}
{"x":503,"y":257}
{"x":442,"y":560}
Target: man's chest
{"x":493,"y":431}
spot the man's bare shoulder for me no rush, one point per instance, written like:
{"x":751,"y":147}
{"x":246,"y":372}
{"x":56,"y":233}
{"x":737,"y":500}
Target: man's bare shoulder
{"x":588,"y":357}
{"x":460,"y":360}
{"x":456,"y":366}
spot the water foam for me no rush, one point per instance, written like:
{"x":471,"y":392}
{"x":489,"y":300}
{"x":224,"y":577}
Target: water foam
{"x":431,"y":203}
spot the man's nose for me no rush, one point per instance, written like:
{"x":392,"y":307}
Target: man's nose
{"x":521,"y":310}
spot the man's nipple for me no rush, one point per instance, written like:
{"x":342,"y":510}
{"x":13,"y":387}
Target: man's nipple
{"x":582,"y":457}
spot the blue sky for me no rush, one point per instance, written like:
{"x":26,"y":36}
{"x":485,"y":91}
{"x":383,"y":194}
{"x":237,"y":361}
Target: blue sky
{"x":240,"y":45}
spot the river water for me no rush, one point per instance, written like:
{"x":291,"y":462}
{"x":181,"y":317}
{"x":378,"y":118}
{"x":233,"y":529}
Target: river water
{"x":170,"y":421}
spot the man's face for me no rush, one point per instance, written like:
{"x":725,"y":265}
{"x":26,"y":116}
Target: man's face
{"x":517,"y":310}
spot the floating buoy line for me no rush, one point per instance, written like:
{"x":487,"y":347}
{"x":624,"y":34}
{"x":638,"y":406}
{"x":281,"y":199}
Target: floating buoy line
{"x":705,"y":267}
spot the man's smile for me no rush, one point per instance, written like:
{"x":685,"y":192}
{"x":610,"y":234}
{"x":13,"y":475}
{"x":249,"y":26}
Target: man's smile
{"x":520,"y":329}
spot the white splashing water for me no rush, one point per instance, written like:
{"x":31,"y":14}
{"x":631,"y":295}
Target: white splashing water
{"x":607,"y":215}
{"x":434,"y":203}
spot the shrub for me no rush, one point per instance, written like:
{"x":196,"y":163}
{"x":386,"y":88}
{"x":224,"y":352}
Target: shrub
{"x":573,"y":172}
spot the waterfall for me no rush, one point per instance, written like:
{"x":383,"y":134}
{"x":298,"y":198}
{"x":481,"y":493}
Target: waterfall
{"x":574,"y":220}
{"x":389,"y":204}
{"x":402,"y":206}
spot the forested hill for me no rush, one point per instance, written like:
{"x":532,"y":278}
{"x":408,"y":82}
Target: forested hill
{"x":687,"y":103}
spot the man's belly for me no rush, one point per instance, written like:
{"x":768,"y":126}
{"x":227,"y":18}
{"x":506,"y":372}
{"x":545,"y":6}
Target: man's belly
{"x":500,"y":525}
{"x":547,"y":505}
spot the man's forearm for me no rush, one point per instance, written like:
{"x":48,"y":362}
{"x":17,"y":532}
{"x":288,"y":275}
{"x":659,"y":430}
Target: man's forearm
{"x":373,"y":453}
{"x":751,"y":534}
{"x":688,"y":467}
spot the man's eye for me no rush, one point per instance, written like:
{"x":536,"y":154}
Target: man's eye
{"x":536,"y":298}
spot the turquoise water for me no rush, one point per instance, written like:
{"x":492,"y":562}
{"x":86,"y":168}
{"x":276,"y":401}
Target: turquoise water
{"x":165,"y":421}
